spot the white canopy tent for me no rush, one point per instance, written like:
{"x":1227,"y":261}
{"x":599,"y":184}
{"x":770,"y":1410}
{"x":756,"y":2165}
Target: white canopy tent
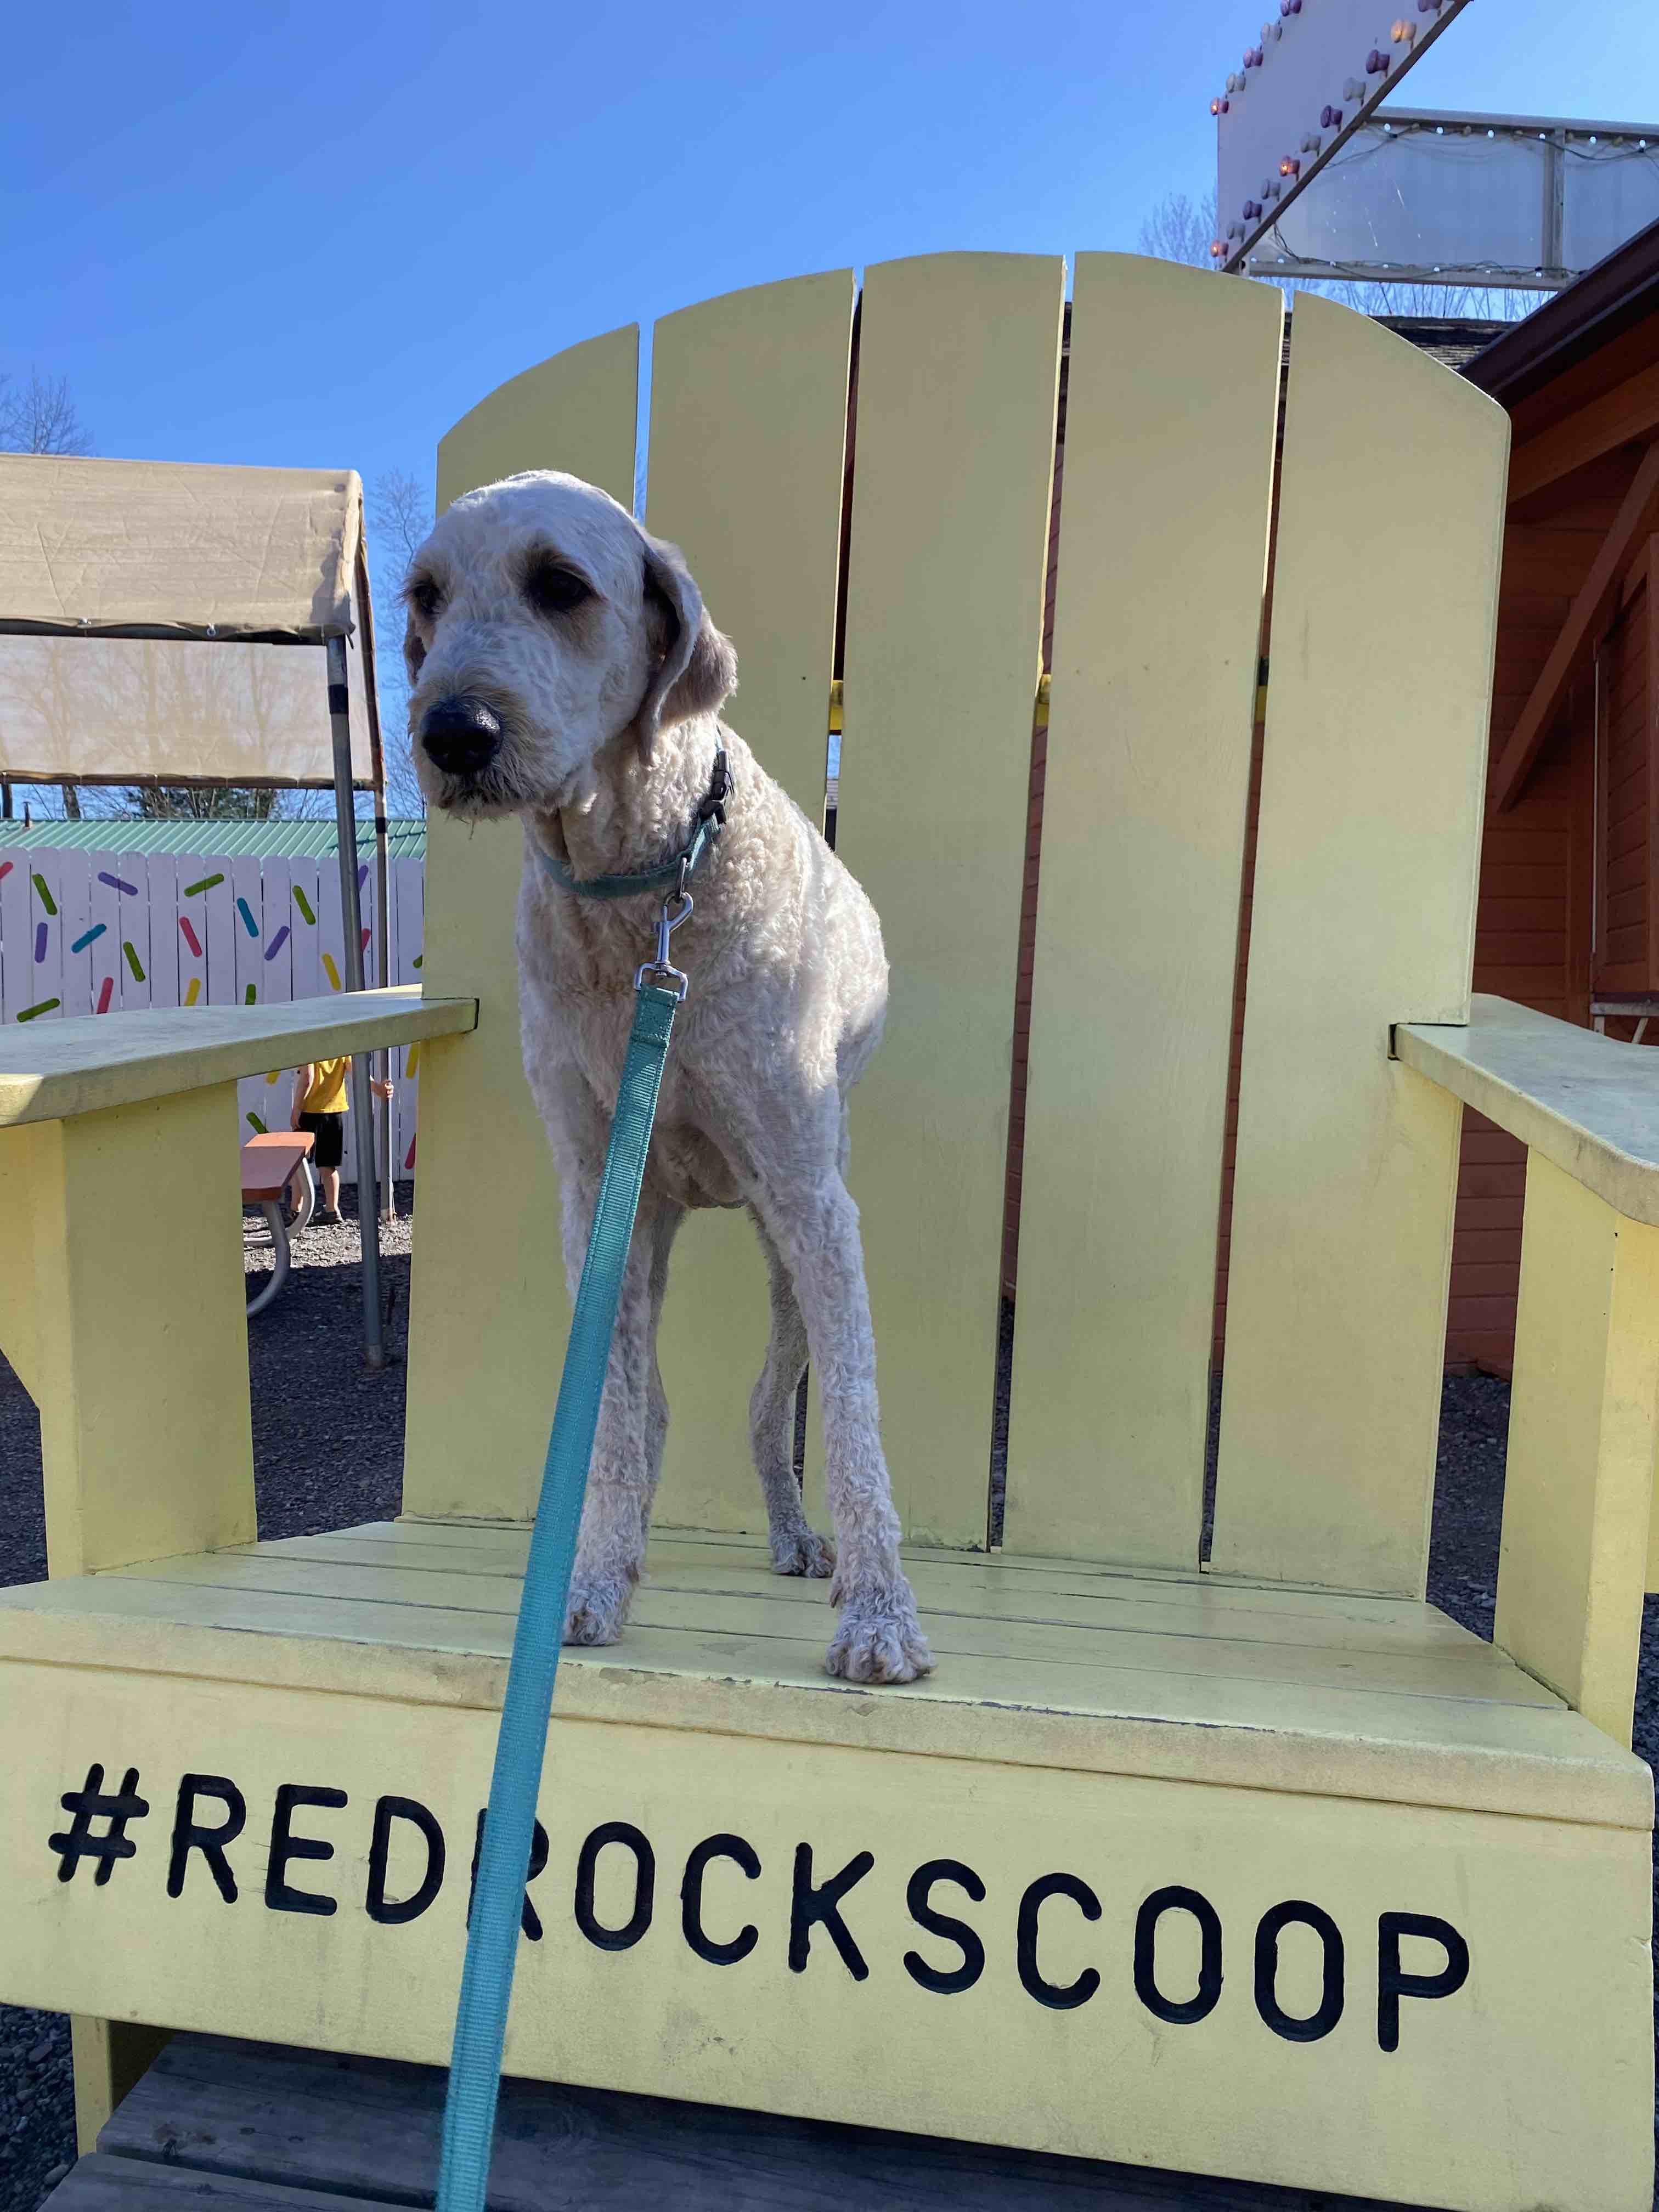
{"x":145,"y":611}
{"x":185,"y":580}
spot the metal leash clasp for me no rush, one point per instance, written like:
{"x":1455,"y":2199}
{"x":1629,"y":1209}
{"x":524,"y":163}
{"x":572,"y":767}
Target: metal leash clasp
{"x":676,"y":908}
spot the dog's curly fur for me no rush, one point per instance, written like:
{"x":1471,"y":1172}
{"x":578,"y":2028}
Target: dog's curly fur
{"x":541,"y":599}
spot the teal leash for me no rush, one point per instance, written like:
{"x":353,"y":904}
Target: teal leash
{"x":492,"y":1939}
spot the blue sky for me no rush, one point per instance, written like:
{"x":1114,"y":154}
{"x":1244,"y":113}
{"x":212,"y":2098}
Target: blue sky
{"x":317,"y":235}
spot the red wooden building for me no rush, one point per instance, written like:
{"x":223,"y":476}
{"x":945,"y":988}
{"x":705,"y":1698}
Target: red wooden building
{"x":1569,"y":921}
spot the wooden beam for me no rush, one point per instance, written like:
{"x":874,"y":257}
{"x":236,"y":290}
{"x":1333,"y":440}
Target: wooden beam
{"x":255,"y":2128}
{"x":1597,"y":596}
{"x":1629,"y":410}
{"x":1647,"y":565}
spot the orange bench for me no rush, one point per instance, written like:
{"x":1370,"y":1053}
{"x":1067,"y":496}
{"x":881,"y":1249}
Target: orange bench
{"x":270,"y":1161}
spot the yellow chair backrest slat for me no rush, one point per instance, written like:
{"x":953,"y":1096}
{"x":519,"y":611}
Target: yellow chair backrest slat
{"x":748,"y":440}
{"x":1163,"y":525}
{"x":1384,"y":601}
{"x":958,"y":370}
{"x":488,"y":1311}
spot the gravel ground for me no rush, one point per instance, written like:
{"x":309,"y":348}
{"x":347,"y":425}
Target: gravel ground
{"x":327,"y":1440}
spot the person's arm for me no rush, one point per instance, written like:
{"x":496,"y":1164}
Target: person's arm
{"x":380,"y":1086}
{"x":303,"y":1078}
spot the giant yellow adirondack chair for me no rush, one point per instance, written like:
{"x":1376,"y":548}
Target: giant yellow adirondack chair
{"x":1255,"y":1864}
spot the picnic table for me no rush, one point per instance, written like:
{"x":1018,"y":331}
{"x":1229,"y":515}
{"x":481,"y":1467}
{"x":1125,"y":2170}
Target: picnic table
{"x":271,"y":1164}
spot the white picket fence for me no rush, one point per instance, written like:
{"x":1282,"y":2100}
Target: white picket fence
{"x":92,"y":933}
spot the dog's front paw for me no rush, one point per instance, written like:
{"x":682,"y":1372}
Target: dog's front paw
{"x":597,"y":1612}
{"x":879,"y":1638}
{"x":802,"y":1551}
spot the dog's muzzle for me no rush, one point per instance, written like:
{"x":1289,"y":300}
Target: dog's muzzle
{"x":461,"y":735}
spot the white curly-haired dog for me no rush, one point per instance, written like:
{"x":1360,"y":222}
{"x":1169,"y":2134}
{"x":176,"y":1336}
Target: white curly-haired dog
{"x":563,"y":669}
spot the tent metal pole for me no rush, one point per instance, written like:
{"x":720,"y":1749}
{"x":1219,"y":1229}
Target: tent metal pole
{"x":369,"y":1215}
{"x":382,"y":888}
{"x":382,"y":977}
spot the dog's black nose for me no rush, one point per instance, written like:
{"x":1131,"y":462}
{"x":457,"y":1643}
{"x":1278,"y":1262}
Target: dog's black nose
{"x":462,"y":735}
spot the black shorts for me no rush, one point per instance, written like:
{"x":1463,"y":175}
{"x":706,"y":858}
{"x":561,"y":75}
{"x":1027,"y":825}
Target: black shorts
{"x":329,"y":1130}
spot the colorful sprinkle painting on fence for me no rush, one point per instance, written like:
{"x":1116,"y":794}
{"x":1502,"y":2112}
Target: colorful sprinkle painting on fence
{"x":94,"y":933}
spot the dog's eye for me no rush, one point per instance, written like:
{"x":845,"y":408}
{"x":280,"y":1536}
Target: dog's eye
{"x":552,"y":590}
{"x":425,"y":597}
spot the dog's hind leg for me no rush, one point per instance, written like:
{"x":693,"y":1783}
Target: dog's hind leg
{"x":816,"y":1228}
{"x":664,"y":1230}
{"x":797,"y":1548}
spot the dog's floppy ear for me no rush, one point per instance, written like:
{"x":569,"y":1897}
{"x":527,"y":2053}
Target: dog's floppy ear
{"x":698,"y":667}
{"x":414,"y":651}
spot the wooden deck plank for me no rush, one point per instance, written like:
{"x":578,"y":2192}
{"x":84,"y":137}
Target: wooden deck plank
{"x":1294,"y":1688}
{"x":481,"y":1531}
{"x":367,"y":2129}
{"x":1169,"y":1692}
{"x":977,"y":1570}
{"x":101,"y":2183}
{"x":1198,"y":1608}
{"x":1472,"y":1669}
{"x":1467,"y":1754}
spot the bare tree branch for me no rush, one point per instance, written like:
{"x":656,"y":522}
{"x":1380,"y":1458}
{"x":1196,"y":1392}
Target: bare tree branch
{"x":40,"y":417}
{"x":400,"y":510}
{"x":400,"y":515}
{"x":1180,"y":229}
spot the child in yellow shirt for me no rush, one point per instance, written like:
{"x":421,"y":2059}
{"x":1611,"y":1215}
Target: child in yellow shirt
{"x":320,"y":1105}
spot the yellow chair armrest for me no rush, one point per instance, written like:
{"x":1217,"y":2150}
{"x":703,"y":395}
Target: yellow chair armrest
{"x":51,"y":1071}
{"x":1589,"y":1105}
